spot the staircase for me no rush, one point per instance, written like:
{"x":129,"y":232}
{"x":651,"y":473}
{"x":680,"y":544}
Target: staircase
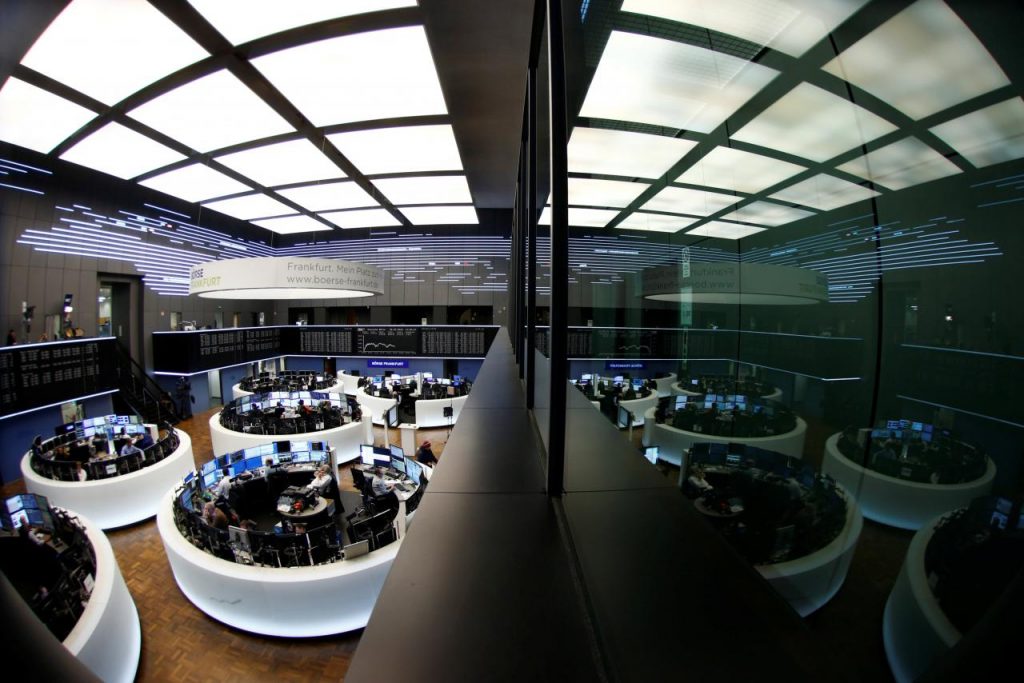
{"x":140,"y":394}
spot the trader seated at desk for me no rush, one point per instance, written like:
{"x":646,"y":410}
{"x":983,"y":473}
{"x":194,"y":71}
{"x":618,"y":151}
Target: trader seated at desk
{"x":380,"y":485}
{"x":131,"y":449}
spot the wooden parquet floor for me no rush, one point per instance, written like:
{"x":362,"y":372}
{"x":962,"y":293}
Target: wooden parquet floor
{"x":181,"y":643}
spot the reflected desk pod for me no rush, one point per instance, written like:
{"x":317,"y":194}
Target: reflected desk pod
{"x":107,"y":637}
{"x":345,"y":440}
{"x":665,"y":384}
{"x":898,"y":502}
{"x":915,"y":630}
{"x":116,"y":501}
{"x":673,"y":443}
{"x":809,"y":582}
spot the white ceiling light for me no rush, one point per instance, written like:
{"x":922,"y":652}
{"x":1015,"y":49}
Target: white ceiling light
{"x":109,"y":49}
{"x":120,"y":152}
{"x":812,"y":123}
{"x":824,"y":192}
{"x":250,"y":206}
{"x":426,"y":190}
{"x":597,"y":192}
{"x":283,"y":163}
{"x":440,"y":215}
{"x":290,"y":225}
{"x":694,"y":202}
{"x":362,"y":218}
{"x":195,"y":183}
{"x":987,"y":136}
{"x":33,"y":118}
{"x":243,"y":20}
{"x":655,"y":222}
{"x":583,"y":218}
{"x":921,"y":61}
{"x":361,"y":77}
{"x":767,"y":213}
{"x":618,"y":152}
{"x":404,"y":149}
{"x":283,"y":278}
{"x":790,"y":26}
{"x":663,"y":82}
{"x":901,"y":164}
{"x":329,"y":196}
{"x":733,"y":169}
{"x":211,"y":112}
{"x":724,"y":230}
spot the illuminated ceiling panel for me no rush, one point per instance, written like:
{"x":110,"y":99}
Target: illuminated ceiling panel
{"x":824,"y":192}
{"x":195,"y":183}
{"x":250,"y":206}
{"x":767,"y":213}
{"x":662,"y":82}
{"x":655,"y":222}
{"x":812,"y":123}
{"x":987,"y":136}
{"x":921,"y":61}
{"x":283,"y":163}
{"x":109,"y":49}
{"x":790,"y":26}
{"x":243,"y":20}
{"x":328,"y":196}
{"x":901,"y":164}
{"x":441,"y":215}
{"x":211,"y":112}
{"x":426,"y":190}
{"x":694,"y":202}
{"x":290,"y":225}
{"x":732,"y":169}
{"x":361,"y":77}
{"x":33,"y":118}
{"x":583,"y":218}
{"x":120,"y":152}
{"x":405,"y":149}
{"x":725,"y":230}
{"x":361,"y":218}
{"x":596,"y":192}
{"x":621,"y":153}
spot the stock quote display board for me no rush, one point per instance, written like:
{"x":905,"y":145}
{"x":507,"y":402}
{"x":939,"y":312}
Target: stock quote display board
{"x":191,"y":352}
{"x":824,"y":357}
{"x":38,"y":375}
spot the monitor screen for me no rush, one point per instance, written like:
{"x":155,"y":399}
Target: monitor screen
{"x":397,"y":451}
{"x":624,"y":418}
{"x":456,"y":378}
{"x":382,"y":463}
{"x":680,"y":402}
{"x":237,"y":468}
{"x":617,"y":379}
{"x":587,"y":378}
{"x":210,"y":479}
{"x":398,"y":464}
{"x":208,"y":467}
{"x":302,"y":457}
{"x":651,"y":454}
{"x":413,"y":470}
{"x":695,"y":382}
{"x":366,"y":454}
{"x":190,"y":476}
{"x":393,"y":416}
{"x":64,"y":429}
{"x":916,"y":426}
{"x":892,"y":424}
{"x":926,"y":437}
{"x":222,"y":461}
{"x":638,"y":384}
{"x":253,"y":463}
{"x":380,"y":450}
{"x":428,"y":375}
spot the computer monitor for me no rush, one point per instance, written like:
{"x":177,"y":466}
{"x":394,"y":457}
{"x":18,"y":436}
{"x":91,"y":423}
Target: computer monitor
{"x":413,"y":469}
{"x":651,"y":454}
{"x":237,"y":468}
{"x":302,"y":457}
{"x":392,"y":416}
{"x":617,"y":379}
{"x":61,"y":430}
{"x":397,"y":451}
{"x":457,"y":378}
{"x":695,"y":382}
{"x":210,"y":479}
{"x":253,"y":463}
{"x":587,"y":378}
{"x":916,"y":426}
{"x":680,"y":402}
{"x":208,"y":467}
{"x":427,"y":375}
{"x":366,"y":454}
{"x":398,"y":464}
{"x":379,"y":462}
{"x":624,"y":418}
{"x":356,"y":550}
{"x":190,"y":476}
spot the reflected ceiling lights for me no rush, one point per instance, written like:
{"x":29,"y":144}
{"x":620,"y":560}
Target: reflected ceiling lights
{"x":813,"y":123}
{"x":734,"y":169}
{"x":790,"y":26}
{"x":735,"y":283}
{"x":622,"y":153}
{"x":824,"y":192}
{"x":725,"y":230}
{"x":940,"y":62}
{"x":902,"y":164}
{"x":694,"y":202}
{"x":987,"y":136}
{"x":666,"y":83}
{"x":655,"y":222}
{"x":767,"y":213}
{"x":581,"y":218}
{"x":284,"y":278}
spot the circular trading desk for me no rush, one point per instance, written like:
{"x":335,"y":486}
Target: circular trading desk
{"x":376,"y":407}
{"x":107,"y":637}
{"x":898,"y":502}
{"x":915,"y":630}
{"x":349,"y":383}
{"x":429,"y":411}
{"x":679,"y":390}
{"x":809,"y":582}
{"x":637,"y":407}
{"x":299,"y":601}
{"x":238,"y":392}
{"x":345,"y":440}
{"x":673,"y":443}
{"x":665,"y":384}
{"x":116,"y":501}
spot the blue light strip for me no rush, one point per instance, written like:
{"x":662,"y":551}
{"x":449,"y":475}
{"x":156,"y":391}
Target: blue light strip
{"x":973,"y":353}
{"x":960,"y":410}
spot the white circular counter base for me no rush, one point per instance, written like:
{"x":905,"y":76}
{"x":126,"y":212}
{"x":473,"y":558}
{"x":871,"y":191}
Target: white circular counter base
{"x":898,"y":502}
{"x":116,"y":501}
{"x":345,"y":440}
{"x":673,"y":443}
{"x":107,"y":637}
{"x":292,"y":602}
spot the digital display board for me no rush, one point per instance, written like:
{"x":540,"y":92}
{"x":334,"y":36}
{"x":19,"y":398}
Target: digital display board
{"x":387,"y":341}
{"x":38,"y":375}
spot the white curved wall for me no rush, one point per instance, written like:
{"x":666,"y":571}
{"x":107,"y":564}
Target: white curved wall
{"x":897,"y":502}
{"x":345,"y":439}
{"x":672,"y":443}
{"x":120,"y":500}
{"x":374,"y":406}
{"x":290,"y":602}
{"x":349,"y":383}
{"x":430,"y":412}
{"x":914,"y":628}
{"x":107,"y":637}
